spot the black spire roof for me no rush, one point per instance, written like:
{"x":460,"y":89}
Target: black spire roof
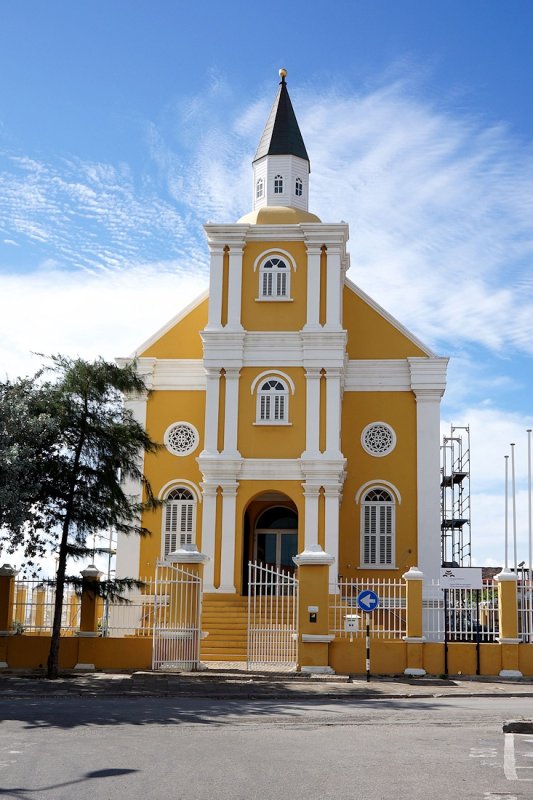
{"x":282,"y":136}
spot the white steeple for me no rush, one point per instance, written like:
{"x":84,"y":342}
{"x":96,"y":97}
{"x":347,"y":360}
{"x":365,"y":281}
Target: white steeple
{"x":281,"y":164}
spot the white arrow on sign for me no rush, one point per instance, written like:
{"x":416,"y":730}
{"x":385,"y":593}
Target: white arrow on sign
{"x":367,"y":600}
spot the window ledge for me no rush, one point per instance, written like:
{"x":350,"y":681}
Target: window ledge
{"x":378,"y":566}
{"x":273,"y":423}
{"x":274,"y":300}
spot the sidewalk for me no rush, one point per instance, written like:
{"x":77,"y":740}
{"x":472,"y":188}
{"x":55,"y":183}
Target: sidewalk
{"x":238,"y":684}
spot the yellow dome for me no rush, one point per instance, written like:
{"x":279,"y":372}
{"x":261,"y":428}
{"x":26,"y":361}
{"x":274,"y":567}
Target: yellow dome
{"x":278,"y":215}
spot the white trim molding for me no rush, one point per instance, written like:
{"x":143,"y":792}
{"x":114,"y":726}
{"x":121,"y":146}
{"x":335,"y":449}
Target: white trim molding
{"x":378,"y":483}
{"x":175,"y":482}
{"x":274,"y":372}
{"x":266,"y":254}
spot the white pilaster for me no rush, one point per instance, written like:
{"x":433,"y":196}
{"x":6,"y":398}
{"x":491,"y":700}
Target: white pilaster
{"x":428,"y":381}
{"x":312,"y":412}
{"x":335,"y":282}
{"x":215,"y":287}
{"x":235,"y":287}
{"x":209,"y":512}
{"x":311,"y":494}
{"x":212,"y":395}
{"x":331,"y":513}
{"x":231,"y":412}
{"x":333,"y":412}
{"x":313,"y":287}
{"x":129,"y":547}
{"x":227,"y":565}
{"x":428,"y":475}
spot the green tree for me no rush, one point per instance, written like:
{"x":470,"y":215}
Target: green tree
{"x":67,"y":443}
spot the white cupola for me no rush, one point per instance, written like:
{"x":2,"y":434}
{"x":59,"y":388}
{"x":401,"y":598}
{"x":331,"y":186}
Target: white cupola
{"x":281,"y":165}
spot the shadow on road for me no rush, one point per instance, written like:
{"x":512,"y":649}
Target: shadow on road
{"x":19,"y":793}
{"x":70,"y":712}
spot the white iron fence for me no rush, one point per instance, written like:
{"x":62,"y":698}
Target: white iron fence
{"x":272,"y":618}
{"x":33,"y":608}
{"x":387,"y":621}
{"x":177,"y":614}
{"x":524,"y":591}
{"x":462,"y":615}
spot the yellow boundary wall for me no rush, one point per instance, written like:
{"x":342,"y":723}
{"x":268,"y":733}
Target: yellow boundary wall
{"x":387,"y":656}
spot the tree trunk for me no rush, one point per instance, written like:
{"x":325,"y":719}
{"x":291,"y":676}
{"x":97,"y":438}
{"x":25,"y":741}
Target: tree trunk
{"x":53,"y":656}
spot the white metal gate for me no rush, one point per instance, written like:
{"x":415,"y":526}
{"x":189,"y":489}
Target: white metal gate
{"x":177,"y":618}
{"x":272,"y":618}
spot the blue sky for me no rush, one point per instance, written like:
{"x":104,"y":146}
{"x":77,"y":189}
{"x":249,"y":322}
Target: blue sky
{"x":124,"y":126}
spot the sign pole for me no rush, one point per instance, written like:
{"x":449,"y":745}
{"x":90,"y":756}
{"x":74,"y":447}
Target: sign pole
{"x":478,"y":635}
{"x":446,"y":632}
{"x":367,"y":601}
{"x":368,"y":648}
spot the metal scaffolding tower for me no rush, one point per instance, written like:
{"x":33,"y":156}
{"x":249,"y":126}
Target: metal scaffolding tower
{"x":455,"y":498}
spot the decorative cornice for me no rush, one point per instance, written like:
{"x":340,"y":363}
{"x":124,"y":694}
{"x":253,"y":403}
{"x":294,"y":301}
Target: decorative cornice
{"x":187,"y":554}
{"x":506,"y":575}
{"x":313,"y":555}
{"x":91,"y":572}
{"x":428,"y":376}
{"x":7,"y":571}
{"x":413,"y":574}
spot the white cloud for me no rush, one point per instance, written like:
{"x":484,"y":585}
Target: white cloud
{"x":79,"y":313}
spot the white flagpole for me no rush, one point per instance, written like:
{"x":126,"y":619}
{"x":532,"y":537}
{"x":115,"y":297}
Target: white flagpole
{"x":530,"y":574}
{"x":506,"y":513}
{"x":529,"y":529}
{"x":513,"y":486}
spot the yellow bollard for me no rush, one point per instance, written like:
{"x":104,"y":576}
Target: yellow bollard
{"x":313,"y":610}
{"x":414,"y":635}
{"x":508,"y":615}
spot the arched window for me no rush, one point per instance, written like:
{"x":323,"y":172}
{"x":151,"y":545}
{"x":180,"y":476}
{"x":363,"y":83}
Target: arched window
{"x":299,"y":187}
{"x":179,"y":519}
{"x":259,"y":188}
{"x":272,"y":402}
{"x":377,"y":528}
{"x":278,"y":184}
{"x":274,"y":278}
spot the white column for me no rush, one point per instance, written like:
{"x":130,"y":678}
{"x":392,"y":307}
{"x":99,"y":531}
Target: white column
{"x":428,"y":482}
{"x":129,"y":547}
{"x":333,"y":412}
{"x":311,"y":494}
{"x":331,"y":513}
{"x":313,"y":287}
{"x":212,"y":393}
{"x":335,"y":282}
{"x":227,"y":564}
{"x":215,"y":287}
{"x":231,"y":411}
{"x":312,"y":412}
{"x":209,"y":515}
{"x":235,"y":288}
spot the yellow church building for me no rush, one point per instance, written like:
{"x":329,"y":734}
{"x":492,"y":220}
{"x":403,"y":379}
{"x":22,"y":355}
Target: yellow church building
{"x":300,"y":420}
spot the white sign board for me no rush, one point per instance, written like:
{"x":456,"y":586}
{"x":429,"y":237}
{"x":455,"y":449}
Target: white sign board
{"x":461,"y":578}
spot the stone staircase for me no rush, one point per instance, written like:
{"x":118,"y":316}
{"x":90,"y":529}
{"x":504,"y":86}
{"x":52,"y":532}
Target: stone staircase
{"x":225,"y":618}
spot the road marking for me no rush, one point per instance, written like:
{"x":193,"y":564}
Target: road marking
{"x":483,"y":752}
{"x":509,"y":765}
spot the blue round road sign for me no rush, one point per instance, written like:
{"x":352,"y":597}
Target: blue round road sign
{"x":367,"y":600}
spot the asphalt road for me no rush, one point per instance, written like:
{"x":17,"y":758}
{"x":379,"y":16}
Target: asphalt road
{"x":134,"y":748}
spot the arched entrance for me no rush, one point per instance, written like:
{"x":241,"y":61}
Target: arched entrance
{"x":271,"y":533}
{"x":276,"y":537}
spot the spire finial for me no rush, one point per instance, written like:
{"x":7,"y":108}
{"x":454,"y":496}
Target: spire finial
{"x":283,"y":74}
